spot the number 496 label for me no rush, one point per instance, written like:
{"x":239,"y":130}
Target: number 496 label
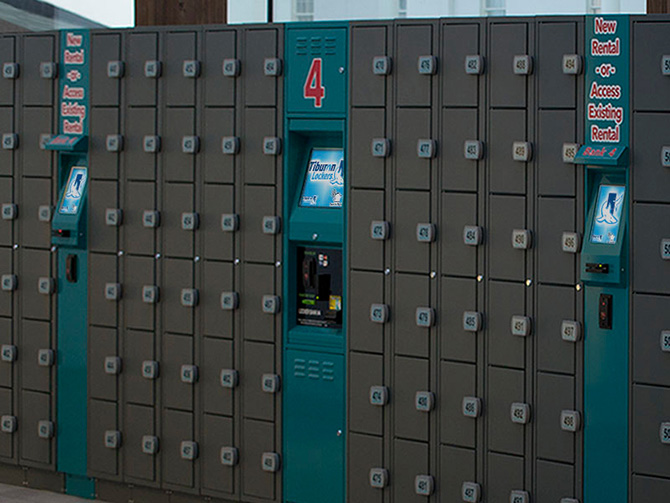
{"x":313,"y":85}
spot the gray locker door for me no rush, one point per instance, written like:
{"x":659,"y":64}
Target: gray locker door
{"x":141,"y":47}
{"x":101,"y":418}
{"x":37,"y":49}
{"x":367,"y":42}
{"x":102,"y":343}
{"x":177,"y":199}
{"x":6,"y":371}
{"x":6,"y":156}
{"x":138,"y":421}
{"x":217,"y":123}
{"x":651,"y":315}
{"x":505,"y":42}
{"x":34,"y":264}
{"x":6,"y":226}
{"x":177,"y":427}
{"x":365,"y":289}
{"x":35,"y":335}
{"x":506,"y":300}
{"x":365,"y":252}
{"x":410,"y":292}
{"x":507,"y":176}
{"x":36,"y":161}
{"x":105,"y":47}
{"x":178,"y":122}
{"x":258,"y":359}
{"x":651,"y":274}
{"x":6,"y":408}
{"x":458,"y":210}
{"x":217,"y":433}
{"x":505,"y":474}
{"x":409,"y":376}
{"x":179,"y":47}
{"x":140,"y":122}
{"x":554,"y":481}
{"x":177,"y":351}
{"x":137,"y":347}
{"x":457,"y":380}
{"x":218,"y":200}
{"x":35,"y":192}
{"x":457,"y":466}
{"x":505,"y":386}
{"x":7,"y":55}
{"x":139,"y":197}
{"x":555,"y":217}
{"x":217,"y":354}
{"x":101,"y":270}
{"x":365,"y":370}
{"x":556,"y":89}
{"x":412,"y":172}
{"x":458,"y":125}
{"x":555,"y":177}
{"x":256,"y":166}
{"x":555,"y":304}
{"x":650,"y":177}
{"x":365,"y":452}
{"x":506,"y":214}
{"x":137,"y":272}
{"x":102,"y":196}
{"x":217,"y":278}
{"x":412,"y":208}
{"x":554,"y":394}
{"x":649,"y":489}
{"x":259,"y":90}
{"x":6,"y":308}
{"x":412,"y":88}
{"x":219,"y":45}
{"x":257,"y":280}
{"x":409,"y":460}
{"x":257,"y":437}
{"x":365,"y":170}
{"x":650,"y":409}
{"x":651,"y":89}
{"x":34,"y":408}
{"x":257,"y":246}
{"x":458,"y":88}
{"x":103,"y":122}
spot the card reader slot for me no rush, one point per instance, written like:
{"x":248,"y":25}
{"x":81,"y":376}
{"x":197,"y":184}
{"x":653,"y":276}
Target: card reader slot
{"x":597,"y":268}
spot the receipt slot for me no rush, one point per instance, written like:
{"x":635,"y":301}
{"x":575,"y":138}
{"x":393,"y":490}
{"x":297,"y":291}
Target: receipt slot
{"x":314,"y":303}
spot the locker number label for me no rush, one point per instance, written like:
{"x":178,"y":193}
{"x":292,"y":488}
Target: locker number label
{"x":665,"y":433}
{"x":665,"y":341}
{"x":314,"y":88}
{"x":665,"y":249}
{"x":665,"y":156}
{"x":665,"y":64}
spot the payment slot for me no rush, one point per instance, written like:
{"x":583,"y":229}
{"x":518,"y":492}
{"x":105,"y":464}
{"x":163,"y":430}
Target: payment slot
{"x":604,"y":273}
{"x":319,"y":288}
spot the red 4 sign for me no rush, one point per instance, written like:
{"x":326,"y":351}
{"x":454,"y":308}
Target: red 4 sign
{"x":313,"y":87}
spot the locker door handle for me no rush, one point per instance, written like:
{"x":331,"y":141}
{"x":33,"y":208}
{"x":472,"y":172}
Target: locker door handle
{"x":71,"y":268}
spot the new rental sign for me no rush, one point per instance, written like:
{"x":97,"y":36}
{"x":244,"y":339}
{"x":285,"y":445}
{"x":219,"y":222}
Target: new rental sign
{"x":607,"y":80}
{"x":74,"y":78}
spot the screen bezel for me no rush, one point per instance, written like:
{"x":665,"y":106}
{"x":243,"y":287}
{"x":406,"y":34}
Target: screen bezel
{"x":306,"y":174}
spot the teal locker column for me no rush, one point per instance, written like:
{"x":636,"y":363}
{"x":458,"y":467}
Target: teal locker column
{"x":313,"y":304}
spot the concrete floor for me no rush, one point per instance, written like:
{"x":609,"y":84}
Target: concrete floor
{"x":15,"y":494}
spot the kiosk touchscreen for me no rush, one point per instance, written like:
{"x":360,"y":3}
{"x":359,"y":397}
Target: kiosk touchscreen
{"x":324,"y":181}
{"x":607,"y":217}
{"x":69,"y":218}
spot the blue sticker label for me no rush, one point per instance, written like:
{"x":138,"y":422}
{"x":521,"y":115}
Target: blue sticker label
{"x":76,"y":184}
{"x":324,"y":181}
{"x":608,"y":214}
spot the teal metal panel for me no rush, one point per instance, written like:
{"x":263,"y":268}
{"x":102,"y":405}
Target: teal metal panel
{"x":316,"y":65}
{"x":314,"y":412}
{"x":606,"y":350}
{"x":72,"y":324}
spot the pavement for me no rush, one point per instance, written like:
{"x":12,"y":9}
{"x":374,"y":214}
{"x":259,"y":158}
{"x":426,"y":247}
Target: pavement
{"x":15,"y":494}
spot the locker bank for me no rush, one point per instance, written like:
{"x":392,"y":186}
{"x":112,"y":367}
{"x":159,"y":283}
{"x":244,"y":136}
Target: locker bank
{"x":393,"y":262}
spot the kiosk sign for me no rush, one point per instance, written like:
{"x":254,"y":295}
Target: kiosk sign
{"x":74,"y":80}
{"x":607,"y":80}
{"x":324,"y":180}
